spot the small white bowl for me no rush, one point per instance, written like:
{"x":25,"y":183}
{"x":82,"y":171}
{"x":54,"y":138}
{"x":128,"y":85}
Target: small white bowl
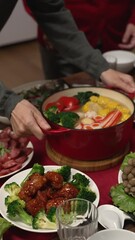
{"x":125,"y":60}
{"x":113,"y":234}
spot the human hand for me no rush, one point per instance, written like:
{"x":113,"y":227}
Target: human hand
{"x":27,"y":120}
{"x":118,"y":80}
{"x":128,"y":40}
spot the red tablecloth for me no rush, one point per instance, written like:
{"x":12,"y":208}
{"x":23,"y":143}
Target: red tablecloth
{"x":104,"y":180}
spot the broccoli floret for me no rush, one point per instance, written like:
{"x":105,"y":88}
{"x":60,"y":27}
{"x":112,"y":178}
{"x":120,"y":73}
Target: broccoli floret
{"x":68,"y":119}
{"x":12,"y":198}
{"x":52,"y":109}
{"x":12,"y":188}
{"x":4,"y":226}
{"x":40,"y":221}
{"x":37,"y":168}
{"x":53,"y":117}
{"x":15,"y":209}
{"x":51,"y":114}
{"x":80,"y":181}
{"x":65,"y":171}
{"x":87,"y":194}
{"x":51,"y":215}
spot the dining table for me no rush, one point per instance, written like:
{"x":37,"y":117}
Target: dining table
{"x":104,"y":180}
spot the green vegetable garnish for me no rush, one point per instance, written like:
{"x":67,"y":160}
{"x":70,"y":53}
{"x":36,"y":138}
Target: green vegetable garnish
{"x":122,"y":200}
{"x":4,"y":226}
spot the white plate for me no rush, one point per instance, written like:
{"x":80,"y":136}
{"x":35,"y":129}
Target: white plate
{"x":23,"y":87}
{"x":18,"y":178}
{"x":120,"y":176}
{"x":23,"y":165}
{"x":28,"y":86}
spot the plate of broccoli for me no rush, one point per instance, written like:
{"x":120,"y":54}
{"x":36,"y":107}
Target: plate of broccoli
{"x":33,"y":208}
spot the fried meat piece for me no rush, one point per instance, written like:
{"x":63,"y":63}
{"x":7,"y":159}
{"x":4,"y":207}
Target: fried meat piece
{"x":55,"y":179}
{"x":34,"y":205}
{"x":34,"y":183}
{"x":67,"y":191}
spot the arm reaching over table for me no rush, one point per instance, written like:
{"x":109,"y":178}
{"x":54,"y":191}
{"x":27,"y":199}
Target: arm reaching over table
{"x":118,"y":80}
{"x":27,"y":120}
{"x":24,"y":117}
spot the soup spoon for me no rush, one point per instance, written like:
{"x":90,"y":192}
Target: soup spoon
{"x":111,"y":217}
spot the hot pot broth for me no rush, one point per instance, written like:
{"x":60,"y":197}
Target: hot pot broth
{"x":88,"y":110}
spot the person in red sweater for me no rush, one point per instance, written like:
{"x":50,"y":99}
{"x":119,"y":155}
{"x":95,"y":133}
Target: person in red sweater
{"x":108,"y":25}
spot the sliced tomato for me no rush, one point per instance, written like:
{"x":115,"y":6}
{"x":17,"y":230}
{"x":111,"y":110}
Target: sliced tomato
{"x":71,"y":108}
{"x":65,"y":104}
{"x":69,"y":101}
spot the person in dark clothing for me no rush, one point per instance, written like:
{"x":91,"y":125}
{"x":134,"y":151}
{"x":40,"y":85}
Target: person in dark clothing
{"x":58,"y":24}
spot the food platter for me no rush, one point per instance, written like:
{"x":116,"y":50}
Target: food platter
{"x":30,"y":145}
{"x":23,"y":88}
{"x":18,"y":178}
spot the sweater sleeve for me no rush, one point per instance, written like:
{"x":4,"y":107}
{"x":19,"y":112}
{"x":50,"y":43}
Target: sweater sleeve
{"x":132,"y":16}
{"x":8,"y":101}
{"x":58,"y":24}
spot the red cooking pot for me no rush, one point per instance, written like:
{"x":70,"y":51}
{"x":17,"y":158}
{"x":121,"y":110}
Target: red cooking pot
{"x":90,"y":145}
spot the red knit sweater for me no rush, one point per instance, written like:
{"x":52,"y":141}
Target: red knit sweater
{"x":100,"y":20}
{"x":103,"y":20}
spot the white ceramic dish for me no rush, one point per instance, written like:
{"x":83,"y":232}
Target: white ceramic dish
{"x":18,"y":178}
{"x":125,"y":60}
{"x":110,"y":216}
{"x":28,"y":86}
{"x":113,"y":234}
{"x":24,"y":164}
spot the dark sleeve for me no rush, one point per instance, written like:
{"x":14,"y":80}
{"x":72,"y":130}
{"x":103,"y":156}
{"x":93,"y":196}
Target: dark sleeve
{"x":58,"y":24}
{"x":6,"y":8}
{"x":8,"y":101}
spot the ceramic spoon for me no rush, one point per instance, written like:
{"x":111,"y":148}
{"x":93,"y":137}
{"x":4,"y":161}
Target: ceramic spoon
{"x":111,"y":216}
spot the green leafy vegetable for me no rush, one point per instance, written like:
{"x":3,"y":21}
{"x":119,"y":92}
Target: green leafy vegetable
{"x":4,"y":226}
{"x":15,"y":209}
{"x":51,"y":215}
{"x":84,"y":97}
{"x":87,"y":194}
{"x":41,"y":221}
{"x":37,"y":168}
{"x":12,"y":188}
{"x":65,"y":171}
{"x":3,"y":150}
{"x":122,"y":200}
{"x":80,"y":181}
{"x":68,"y":119}
{"x":65,"y":119}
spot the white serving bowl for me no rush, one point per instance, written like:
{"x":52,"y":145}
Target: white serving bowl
{"x":113,"y":234}
{"x":125,"y":60}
